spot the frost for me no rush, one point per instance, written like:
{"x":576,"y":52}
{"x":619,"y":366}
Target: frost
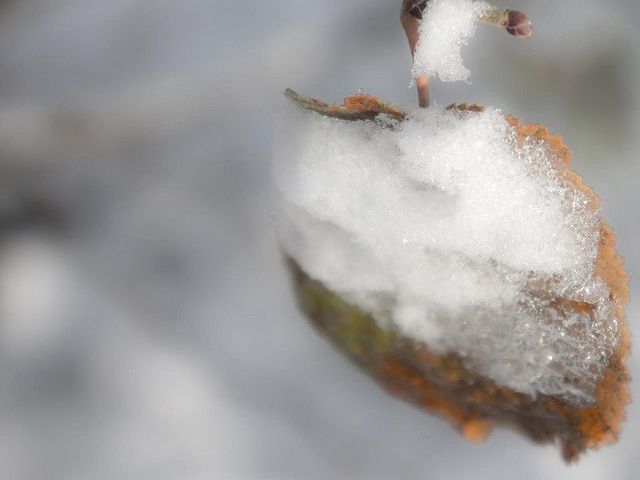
{"x":445,"y":227}
{"x":447,"y":27}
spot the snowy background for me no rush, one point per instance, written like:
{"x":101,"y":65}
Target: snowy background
{"x":147,"y":327}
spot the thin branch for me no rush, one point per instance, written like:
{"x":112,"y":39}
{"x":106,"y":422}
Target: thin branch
{"x":514,"y":22}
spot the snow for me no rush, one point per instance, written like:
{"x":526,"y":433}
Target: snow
{"x":447,"y":27}
{"x":445,"y":227}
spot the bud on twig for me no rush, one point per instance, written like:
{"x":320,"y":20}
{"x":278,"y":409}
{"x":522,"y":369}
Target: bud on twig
{"x":514,"y":22}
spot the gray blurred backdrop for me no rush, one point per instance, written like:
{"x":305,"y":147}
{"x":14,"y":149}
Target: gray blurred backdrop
{"x":147,"y":327}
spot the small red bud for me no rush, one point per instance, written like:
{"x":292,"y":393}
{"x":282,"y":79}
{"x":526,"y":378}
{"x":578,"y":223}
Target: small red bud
{"x":518,"y":24}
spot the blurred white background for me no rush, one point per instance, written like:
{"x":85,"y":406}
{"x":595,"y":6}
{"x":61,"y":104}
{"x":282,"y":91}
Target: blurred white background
{"x":147,"y":327}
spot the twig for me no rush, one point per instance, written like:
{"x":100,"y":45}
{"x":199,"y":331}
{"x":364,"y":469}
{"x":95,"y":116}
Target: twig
{"x":514,"y":22}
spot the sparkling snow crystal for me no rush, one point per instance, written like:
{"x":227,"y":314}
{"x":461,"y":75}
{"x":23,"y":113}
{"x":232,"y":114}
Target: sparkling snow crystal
{"x":445,"y":228}
{"x":447,"y":27}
